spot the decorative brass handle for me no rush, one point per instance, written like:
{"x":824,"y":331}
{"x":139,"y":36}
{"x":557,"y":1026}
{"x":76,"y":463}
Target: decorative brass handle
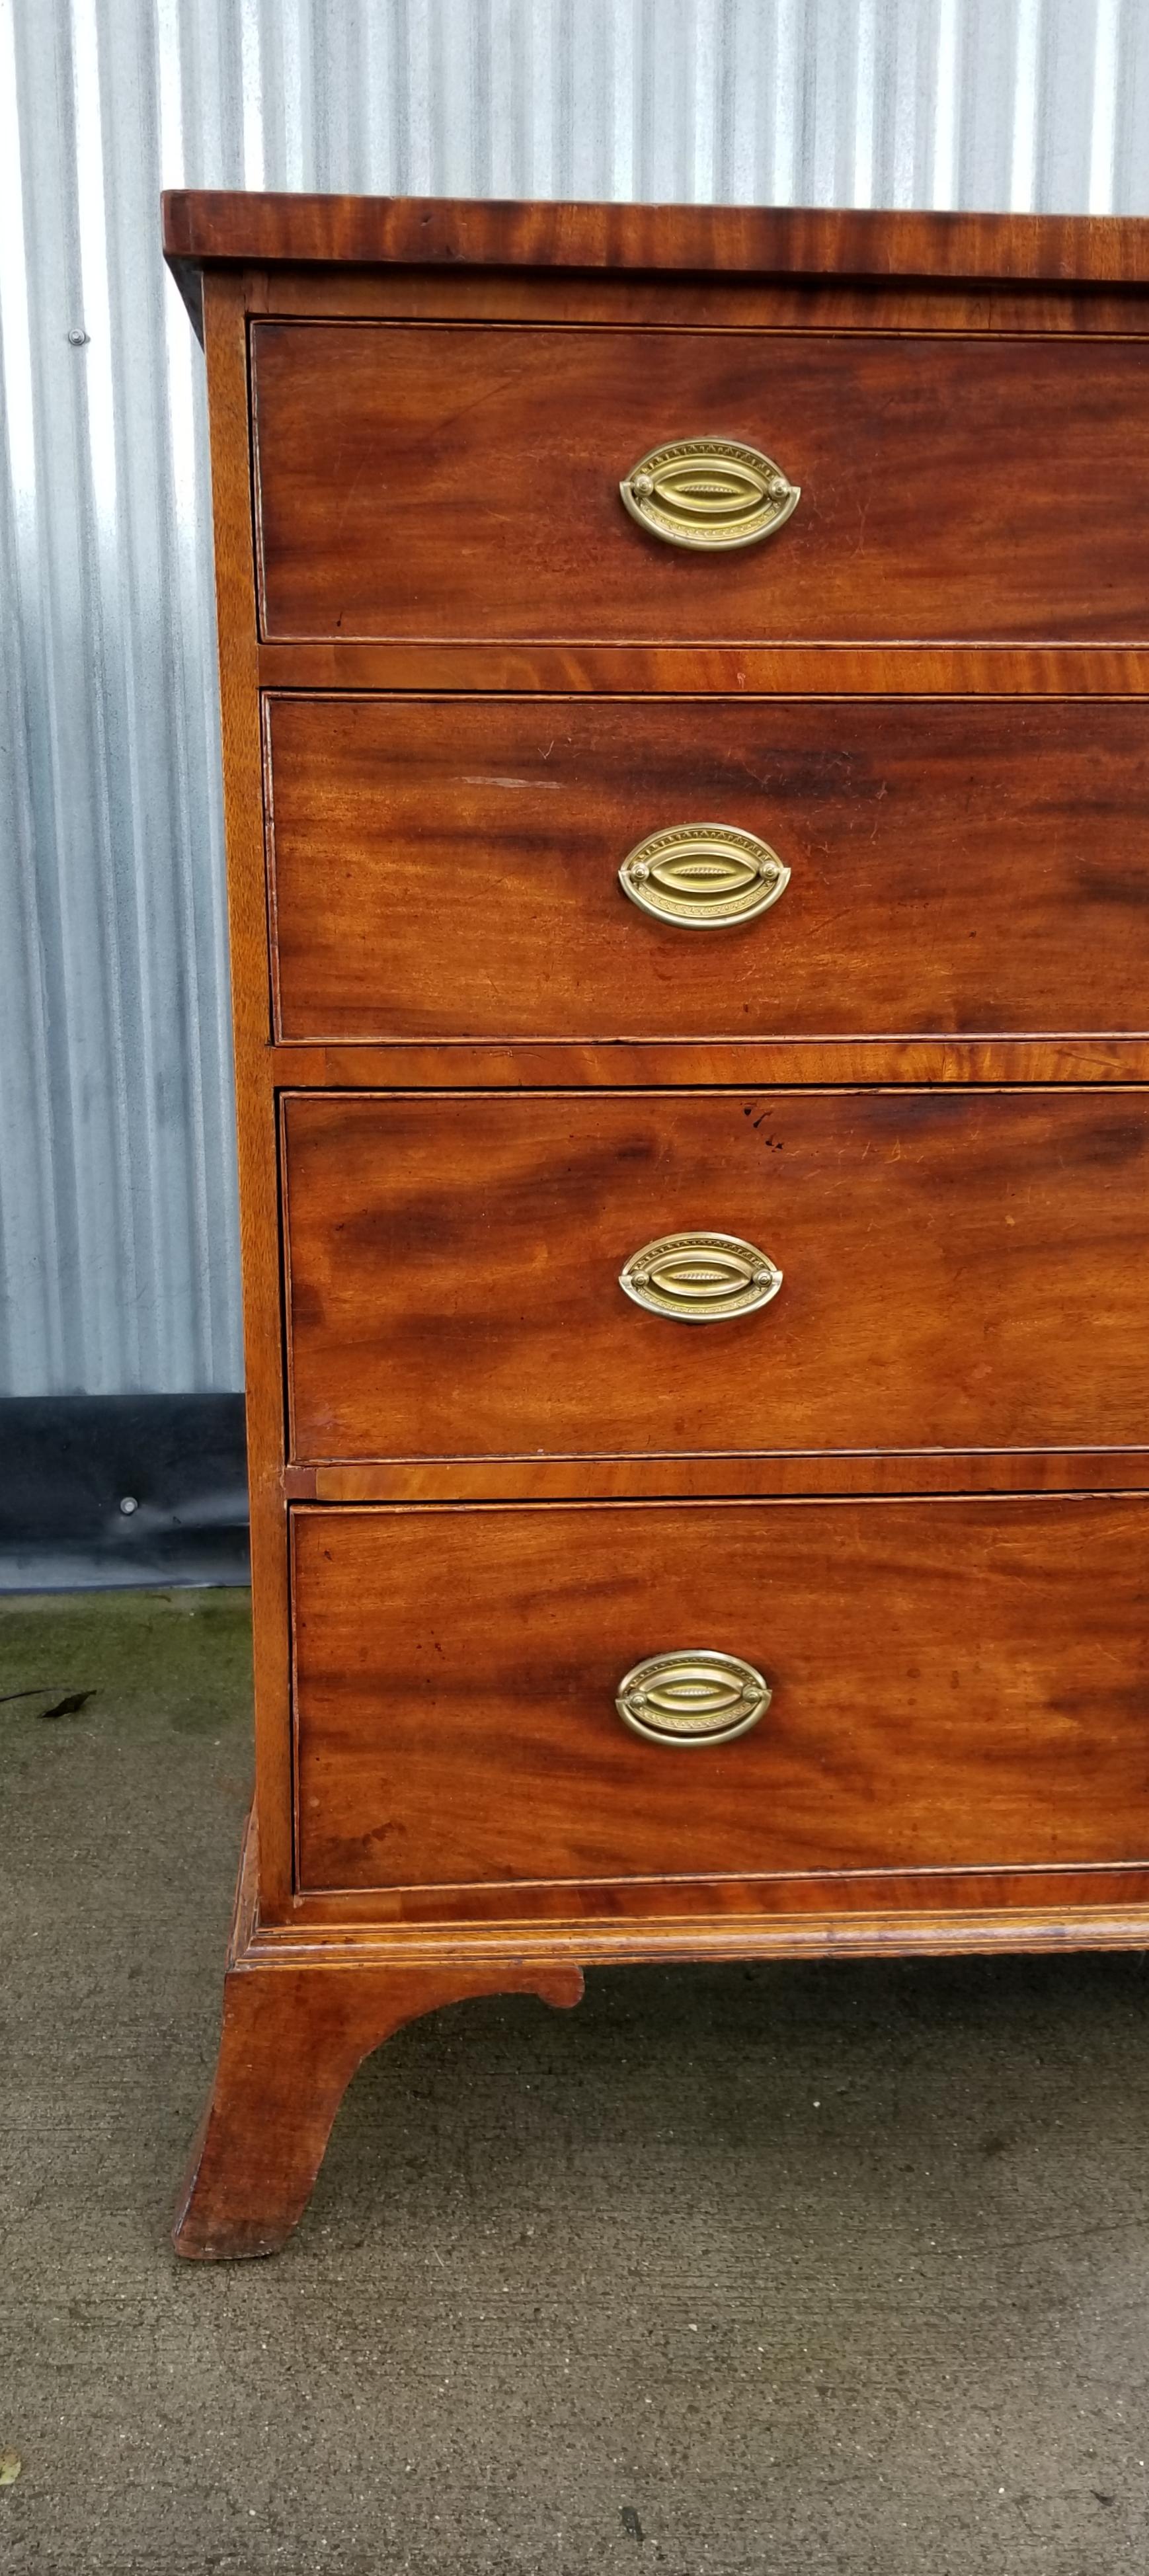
{"x":703,"y":875}
{"x":696,"y":1697}
{"x":709,"y":492}
{"x":700,"y":1278}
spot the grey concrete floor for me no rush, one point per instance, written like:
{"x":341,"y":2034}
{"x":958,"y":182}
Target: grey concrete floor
{"x":757,"y":2272}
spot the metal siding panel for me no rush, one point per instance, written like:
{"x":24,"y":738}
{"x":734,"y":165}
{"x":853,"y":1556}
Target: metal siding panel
{"x":118,"y":1237}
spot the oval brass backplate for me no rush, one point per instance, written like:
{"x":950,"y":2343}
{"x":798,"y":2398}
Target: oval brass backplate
{"x":695,"y":1697}
{"x":700,"y":1278}
{"x":704,"y":876}
{"x":709,"y":492}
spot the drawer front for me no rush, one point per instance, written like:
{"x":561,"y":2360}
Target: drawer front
{"x":463,"y":481}
{"x":449,"y":868}
{"x":961,"y":1269}
{"x":952,"y":1685}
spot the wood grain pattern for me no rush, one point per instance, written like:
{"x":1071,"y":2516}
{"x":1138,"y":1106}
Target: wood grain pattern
{"x":699,"y":670}
{"x":928,"y":507}
{"x":726,"y":302}
{"x":447,"y":869}
{"x":792,"y":1913}
{"x":255,"y":1099}
{"x":766,"y":1064}
{"x":292,"y":2039}
{"x":954,"y":1684}
{"x":210,"y":224}
{"x":960,"y":1270}
{"x":786,"y":1472}
{"x":938,"y":1915}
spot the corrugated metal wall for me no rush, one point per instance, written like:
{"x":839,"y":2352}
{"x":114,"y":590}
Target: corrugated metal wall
{"x":117,"y":1220}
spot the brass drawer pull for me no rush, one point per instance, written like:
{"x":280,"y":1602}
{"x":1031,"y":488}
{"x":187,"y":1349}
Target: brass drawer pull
{"x":695,"y":1697}
{"x":709,"y":492}
{"x":703,"y":876}
{"x":700,"y":1278}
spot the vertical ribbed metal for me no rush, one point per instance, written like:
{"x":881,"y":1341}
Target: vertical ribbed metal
{"x":117,"y":1221}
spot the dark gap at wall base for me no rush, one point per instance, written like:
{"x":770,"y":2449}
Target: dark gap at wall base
{"x":70,"y":1463}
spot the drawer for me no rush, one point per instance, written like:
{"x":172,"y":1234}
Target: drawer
{"x":462,"y":481}
{"x":952,"y":1685}
{"x":449,"y":868}
{"x":960,"y":1269}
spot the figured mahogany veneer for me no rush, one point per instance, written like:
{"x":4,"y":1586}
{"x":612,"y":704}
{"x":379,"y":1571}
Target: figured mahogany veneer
{"x":277,"y":234}
{"x":960,"y":1269}
{"x":957,"y":1685}
{"x":458,"y":683}
{"x":448,"y":868}
{"x":928,"y":506}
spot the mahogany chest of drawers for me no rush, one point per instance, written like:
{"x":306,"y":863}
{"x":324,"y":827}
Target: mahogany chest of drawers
{"x":686,"y":757}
